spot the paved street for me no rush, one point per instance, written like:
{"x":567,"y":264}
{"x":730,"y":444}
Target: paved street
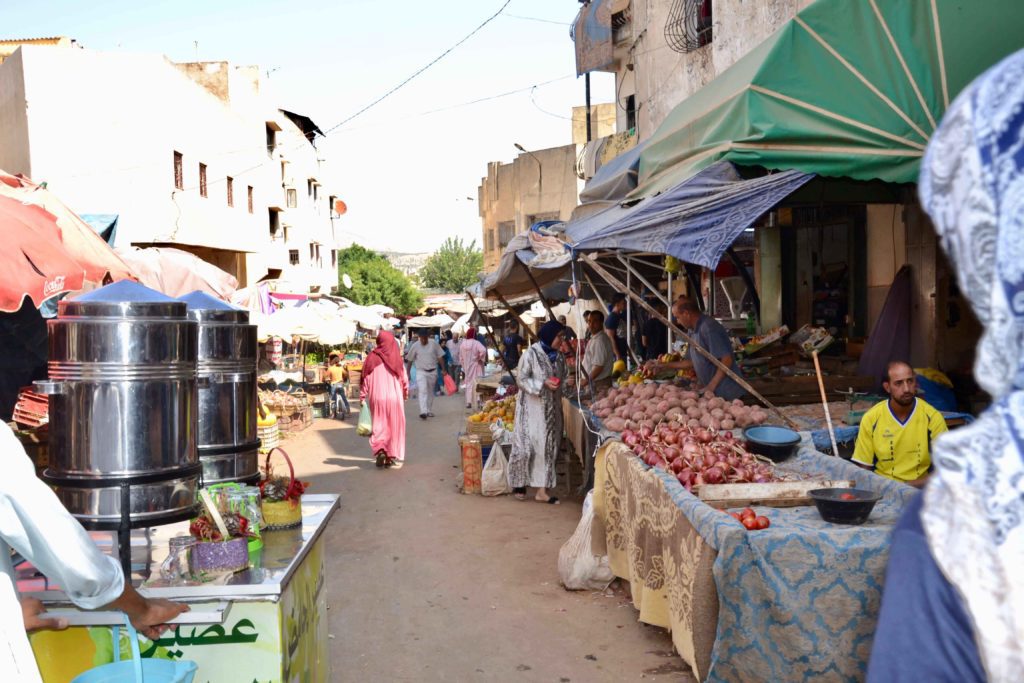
{"x":427,"y":584}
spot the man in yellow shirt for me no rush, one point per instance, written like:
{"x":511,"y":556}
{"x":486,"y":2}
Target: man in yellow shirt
{"x":895,"y":436}
{"x":337,"y":376}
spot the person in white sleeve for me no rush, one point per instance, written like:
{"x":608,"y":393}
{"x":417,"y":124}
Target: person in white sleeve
{"x":35,"y":524}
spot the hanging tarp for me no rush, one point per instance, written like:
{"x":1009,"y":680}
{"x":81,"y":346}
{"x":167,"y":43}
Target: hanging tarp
{"x":695,"y":221}
{"x":546,"y":256}
{"x":613,"y":181}
{"x":844,"y":89}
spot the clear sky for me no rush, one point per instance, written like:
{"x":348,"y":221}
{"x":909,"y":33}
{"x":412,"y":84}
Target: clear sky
{"x":408,"y":173}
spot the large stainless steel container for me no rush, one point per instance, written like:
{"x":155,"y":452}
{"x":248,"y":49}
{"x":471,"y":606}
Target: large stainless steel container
{"x":227,"y":445}
{"x":123,"y":407}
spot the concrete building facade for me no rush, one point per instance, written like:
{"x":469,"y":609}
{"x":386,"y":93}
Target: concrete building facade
{"x":538,"y":185}
{"x":182,"y":153}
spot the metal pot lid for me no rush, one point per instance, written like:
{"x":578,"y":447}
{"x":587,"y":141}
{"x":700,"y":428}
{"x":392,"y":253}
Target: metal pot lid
{"x":205,"y":308}
{"x":122,"y":299}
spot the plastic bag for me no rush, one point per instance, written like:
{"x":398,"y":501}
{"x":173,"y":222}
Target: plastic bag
{"x":449,"y":386}
{"x":365,"y":426}
{"x":578,"y":568}
{"x":500,"y":433}
{"x":494,"y":478}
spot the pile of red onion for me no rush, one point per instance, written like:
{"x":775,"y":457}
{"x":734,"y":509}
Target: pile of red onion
{"x":697,"y":455}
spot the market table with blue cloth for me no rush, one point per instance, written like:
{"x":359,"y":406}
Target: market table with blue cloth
{"x":796,"y":601}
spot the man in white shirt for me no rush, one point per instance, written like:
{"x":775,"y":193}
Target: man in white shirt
{"x":599,"y":356}
{"x":33,"y":522}
{"x":425,"y":355}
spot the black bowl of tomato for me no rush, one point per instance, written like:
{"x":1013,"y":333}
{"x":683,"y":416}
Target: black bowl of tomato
{"x":844,"y":506}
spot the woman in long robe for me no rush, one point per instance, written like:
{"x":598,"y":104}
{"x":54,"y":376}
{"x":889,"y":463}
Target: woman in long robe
{"x":472,"y":356}
{"x":538,"y":433}
{"x":385,"y":385}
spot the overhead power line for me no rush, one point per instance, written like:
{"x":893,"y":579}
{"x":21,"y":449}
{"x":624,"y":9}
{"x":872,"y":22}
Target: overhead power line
{"x":420,"y":70}
{"x":543,"y":21}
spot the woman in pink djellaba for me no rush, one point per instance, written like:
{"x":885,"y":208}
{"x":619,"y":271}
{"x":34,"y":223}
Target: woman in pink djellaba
{"x":385,"y":385}
{"x":472,"y":356}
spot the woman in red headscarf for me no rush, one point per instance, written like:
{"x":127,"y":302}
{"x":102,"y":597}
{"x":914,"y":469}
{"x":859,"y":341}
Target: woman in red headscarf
{"x":385,"y":385}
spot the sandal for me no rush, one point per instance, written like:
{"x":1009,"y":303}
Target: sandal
{"x":397,"y":464}
{"x":389,"y":462}
{"x":550,"y":501}
{"x":519,"y":493}
{"x":381,"y":458}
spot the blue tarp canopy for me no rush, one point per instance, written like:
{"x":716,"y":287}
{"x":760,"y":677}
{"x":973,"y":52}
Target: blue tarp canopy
{"x":695,"y":220}
{"x":615,"y":179}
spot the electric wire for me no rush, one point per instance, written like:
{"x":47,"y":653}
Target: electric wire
{"x":420,"y":70}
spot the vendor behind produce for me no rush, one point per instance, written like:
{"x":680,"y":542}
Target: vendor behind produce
{"x":599,"y":356}
{"x":615,"y":326}
{"x":709,"y":334}
{"x":895,"y":436}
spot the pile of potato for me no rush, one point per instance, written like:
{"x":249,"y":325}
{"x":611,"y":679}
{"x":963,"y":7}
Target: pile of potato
{"x":648,"y":405}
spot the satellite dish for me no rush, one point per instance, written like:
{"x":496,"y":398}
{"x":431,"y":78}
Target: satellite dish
{"x":347,"y":281}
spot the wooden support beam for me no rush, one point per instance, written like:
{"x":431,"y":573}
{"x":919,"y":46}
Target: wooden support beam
{"x":529,"y":332}
{"x":536,"y":286}
{"x":490,"y":332}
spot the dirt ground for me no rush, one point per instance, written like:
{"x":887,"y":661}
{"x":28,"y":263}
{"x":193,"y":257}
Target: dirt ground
{"x":427,"y":584}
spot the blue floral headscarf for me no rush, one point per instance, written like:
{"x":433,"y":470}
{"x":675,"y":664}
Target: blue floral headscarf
{"x":972,"y":186}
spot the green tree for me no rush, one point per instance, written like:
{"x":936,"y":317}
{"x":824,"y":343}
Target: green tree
{"x":376,"y":281}
{"x":453,"y":267}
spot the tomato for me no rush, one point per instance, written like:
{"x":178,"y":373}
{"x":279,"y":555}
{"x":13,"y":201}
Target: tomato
{"x":747,"y":512}
{"x":736,"y":516}
{"x":762,"y":522}
{"x":750,"y":523}
{"x":847,"y":496}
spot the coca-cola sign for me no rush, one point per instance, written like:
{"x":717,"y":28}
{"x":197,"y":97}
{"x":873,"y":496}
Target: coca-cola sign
{"x":54,"y":286}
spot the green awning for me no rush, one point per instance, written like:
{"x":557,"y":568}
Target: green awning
{"x":846,"y":88}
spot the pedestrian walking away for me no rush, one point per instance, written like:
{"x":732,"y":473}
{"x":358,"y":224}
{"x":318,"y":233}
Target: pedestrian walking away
{"x":385,"y":385}
{"x":426,"y":357}
{"x":473,"y":357}
{"x":452,"y":345}
{"x":337,"y":374}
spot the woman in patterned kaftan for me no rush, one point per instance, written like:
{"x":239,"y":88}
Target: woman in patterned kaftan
{"x":538,"y":432}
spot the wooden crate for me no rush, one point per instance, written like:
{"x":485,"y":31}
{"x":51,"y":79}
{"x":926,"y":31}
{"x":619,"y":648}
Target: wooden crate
{"x":482,"y":430}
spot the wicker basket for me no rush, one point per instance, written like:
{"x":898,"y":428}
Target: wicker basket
{"x":281,"y":514}
{"x":481,"y":430}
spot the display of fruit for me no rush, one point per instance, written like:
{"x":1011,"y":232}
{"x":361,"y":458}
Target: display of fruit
{"x":503,"y":409}
{"x":635,"y":405}
{"x":750,"y":520}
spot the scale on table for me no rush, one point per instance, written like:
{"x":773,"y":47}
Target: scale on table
{"x":853,"y":417}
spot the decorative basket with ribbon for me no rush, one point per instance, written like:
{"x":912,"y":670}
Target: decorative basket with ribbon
{"x":281,"y":496}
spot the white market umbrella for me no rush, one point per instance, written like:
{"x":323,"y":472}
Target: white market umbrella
{"x":439,"y":320}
